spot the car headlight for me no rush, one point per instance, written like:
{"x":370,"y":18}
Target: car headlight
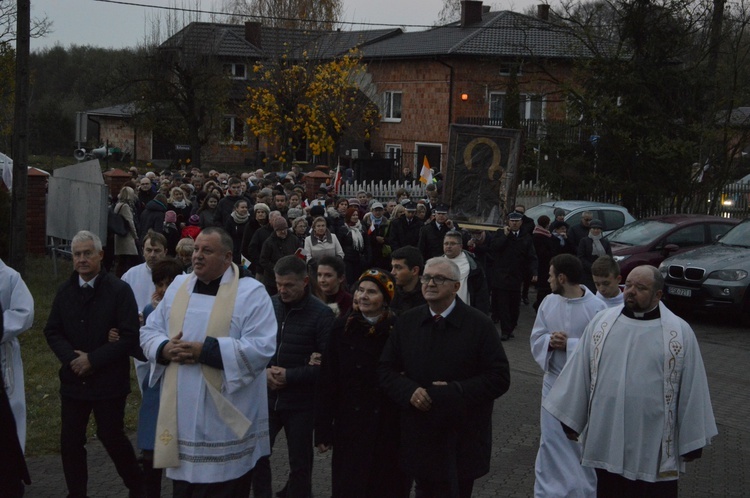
{"x":663,"y":269}
{"x":621,"y":258}
{"x":728,"y":275}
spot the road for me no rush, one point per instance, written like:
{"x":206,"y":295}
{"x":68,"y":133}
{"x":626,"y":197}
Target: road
{"x":722,"y":472}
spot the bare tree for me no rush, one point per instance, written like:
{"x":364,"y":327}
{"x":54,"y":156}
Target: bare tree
{"x":39,"y":26}
{"x":299,"y":14}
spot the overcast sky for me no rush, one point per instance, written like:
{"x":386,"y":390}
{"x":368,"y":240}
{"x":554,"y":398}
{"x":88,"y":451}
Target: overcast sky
{"x":114,"y":25}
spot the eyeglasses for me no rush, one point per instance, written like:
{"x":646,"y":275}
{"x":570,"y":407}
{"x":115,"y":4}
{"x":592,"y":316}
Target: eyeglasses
{"x":438,"y":279}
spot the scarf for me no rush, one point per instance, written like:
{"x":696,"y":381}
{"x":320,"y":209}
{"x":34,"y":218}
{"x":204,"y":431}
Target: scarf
{"x":180,"y":204}
{"x":381,"y":325}
{"x":238,"y":218}
{"x":320,"y":240}
{"x":358,"y":241}
{"x":541,"y":231}
{"x":598,"y":248}
{"x":166,"y":449}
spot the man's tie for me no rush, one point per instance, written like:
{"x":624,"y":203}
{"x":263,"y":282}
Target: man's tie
{"x":437,"y":318}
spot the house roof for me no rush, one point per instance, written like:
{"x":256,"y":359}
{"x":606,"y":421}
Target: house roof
{"x":115,"y":111}
{"x":499,"y":34}
{"x":228,"y":40}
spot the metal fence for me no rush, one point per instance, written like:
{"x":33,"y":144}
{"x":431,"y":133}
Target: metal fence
{"x":733,"y":201}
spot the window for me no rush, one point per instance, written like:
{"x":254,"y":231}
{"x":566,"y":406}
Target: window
{"x":506,"y":68}
{"x":392,"y":106}
{"x":611,"y":218}
{"x":687,"y":237}
{"x":393,"y":151}
{"x":233,"y":130}
{"x":236,"y":71}
{"x":529,"y":106}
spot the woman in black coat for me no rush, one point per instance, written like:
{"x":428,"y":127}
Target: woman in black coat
{"x":353,"y":415}
{"x":355,"y":243}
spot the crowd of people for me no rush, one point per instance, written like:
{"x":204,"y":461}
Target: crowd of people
{"x":365,"y":327}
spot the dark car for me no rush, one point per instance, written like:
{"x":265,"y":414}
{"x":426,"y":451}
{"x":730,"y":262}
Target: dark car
{"x":711,"y":277}
{"x":649,"y":241}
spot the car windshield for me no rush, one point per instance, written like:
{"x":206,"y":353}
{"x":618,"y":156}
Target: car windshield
{"x":738,"y":236}
{"x":640,"y":232}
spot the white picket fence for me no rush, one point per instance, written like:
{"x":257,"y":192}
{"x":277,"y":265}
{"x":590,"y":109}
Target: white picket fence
{"x":381,"y":190}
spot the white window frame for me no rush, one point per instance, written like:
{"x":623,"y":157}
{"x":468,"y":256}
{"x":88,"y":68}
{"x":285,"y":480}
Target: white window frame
{"x":525,"y":100}
{"x":388,"y":108}
{"x":231,"y":69}
{"x":392,"y":148}
{"x":232,"y":124}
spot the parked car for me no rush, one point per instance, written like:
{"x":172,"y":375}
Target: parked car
{"x":612,"y":215}
{"x":711,"y":277}
{"x":650,"y":240}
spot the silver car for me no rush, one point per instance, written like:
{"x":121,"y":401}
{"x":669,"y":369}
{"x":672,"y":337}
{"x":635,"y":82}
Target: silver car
{"x":612,"y":215}
{"x":711,"y":277}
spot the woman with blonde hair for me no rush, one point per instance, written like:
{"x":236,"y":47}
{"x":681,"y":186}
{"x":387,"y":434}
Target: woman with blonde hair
{"x":321,"y":242}
{"x":126,"y":246}
{"x":180,"y":204}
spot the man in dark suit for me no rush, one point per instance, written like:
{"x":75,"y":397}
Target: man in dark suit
{"x":405,"y":230}
{"x":513,"y":253}
{"x":94,"y":372}
{"x":446,"y":391}
{"x":432,"y":234}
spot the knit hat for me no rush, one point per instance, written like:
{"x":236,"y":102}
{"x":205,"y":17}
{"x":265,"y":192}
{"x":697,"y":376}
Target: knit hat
{"x":596,"y":224}
{"x":170,"y":217}
{"x":317,"y":210}
{"x":194,"y":220}
{"x":261,"y":205}
{"x":559,"y":212}
{"x":557,"y":224}
{"x":382,"y":279}
{"x":294,"y":213}
{"x":279,"y":223}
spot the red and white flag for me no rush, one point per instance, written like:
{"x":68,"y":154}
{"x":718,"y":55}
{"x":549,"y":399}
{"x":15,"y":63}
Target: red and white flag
{"x":337,"y":180}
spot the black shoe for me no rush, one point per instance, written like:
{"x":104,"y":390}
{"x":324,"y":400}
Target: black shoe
{"x":504,"y":337}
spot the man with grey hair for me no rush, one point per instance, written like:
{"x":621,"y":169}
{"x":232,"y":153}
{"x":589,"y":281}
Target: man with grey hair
{"x":580,"y":231}
{"x":446,"y":392}
{"x":94,"y":372}
{"x":635,"y":388}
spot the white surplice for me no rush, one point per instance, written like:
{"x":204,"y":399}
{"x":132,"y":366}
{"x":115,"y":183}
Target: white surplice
{"x":558,"y":471}
{"x":622,"y":423}
{"x":612,"y":302}
{"x":209,"y":451}
{"x":140,"y":279}
{"x":18,"y":316}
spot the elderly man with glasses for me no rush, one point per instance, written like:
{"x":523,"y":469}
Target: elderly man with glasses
{"x":473,"y":289}
{"x":580,"y":231}
{"x":444,"y":366}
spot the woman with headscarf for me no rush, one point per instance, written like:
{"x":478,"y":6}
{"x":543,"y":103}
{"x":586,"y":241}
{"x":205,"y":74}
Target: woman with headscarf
{"x":126,"y":246}
{"x":352,"y":414}
{"x":321,"y":242}
{"x":590,"y":248}
{"x":355,"y":244}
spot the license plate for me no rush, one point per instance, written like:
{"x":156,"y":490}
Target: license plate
{"x":679,"y":291}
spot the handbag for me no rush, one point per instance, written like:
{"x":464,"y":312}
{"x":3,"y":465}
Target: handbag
{"x":116,"y":223}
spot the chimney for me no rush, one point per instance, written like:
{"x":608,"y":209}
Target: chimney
{"x":252,"y":33}
{"x":542,"y":11}
{"x":486,"y":8}
{"x":471,"y":12}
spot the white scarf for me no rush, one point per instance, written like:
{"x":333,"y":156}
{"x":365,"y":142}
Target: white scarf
{"x":358,"y":241}
{"x":598,"y":248}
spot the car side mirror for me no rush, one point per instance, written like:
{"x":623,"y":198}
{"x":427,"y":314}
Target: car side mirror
{"x":670,"y":248}
{"x":718,"y":237}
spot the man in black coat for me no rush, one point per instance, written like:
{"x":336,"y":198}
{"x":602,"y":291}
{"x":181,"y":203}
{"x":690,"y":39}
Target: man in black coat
{"x":432,"y":234}
{"x":405,"y":230}
{"x":304,"y":328}
{"x":513,"y":253}
{"x":446,"y":391}
{"x":94,"y":372}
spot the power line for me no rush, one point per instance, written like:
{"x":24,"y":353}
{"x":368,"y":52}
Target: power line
{"x":259,"y":17}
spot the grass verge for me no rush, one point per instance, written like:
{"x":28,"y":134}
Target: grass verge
{"x":41,"y":365}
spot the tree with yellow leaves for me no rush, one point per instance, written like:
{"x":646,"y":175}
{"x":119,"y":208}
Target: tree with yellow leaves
{"x":301,"y":102}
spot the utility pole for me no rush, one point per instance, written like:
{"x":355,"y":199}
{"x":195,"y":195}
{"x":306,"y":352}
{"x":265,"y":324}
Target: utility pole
{"x":20,"y":139}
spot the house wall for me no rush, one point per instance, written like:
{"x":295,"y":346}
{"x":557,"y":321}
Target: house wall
{"x":119,"y":133}
{"x":426,"y":93}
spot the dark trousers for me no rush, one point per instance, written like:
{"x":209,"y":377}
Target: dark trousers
{"x":609,"y":485}
{"x":298,"y":428}
{"x":506,"y":306}
{"x":445,"y":489}
{"x":236,"y":488}
{"x":109,"y":416}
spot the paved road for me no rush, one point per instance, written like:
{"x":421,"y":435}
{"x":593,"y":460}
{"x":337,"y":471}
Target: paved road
{"x":722,"y":472}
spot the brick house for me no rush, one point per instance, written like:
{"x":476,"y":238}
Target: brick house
{"x":460,"y":72}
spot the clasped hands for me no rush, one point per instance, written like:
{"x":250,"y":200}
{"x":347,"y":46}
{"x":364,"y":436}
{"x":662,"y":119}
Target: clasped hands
{"x":421,"y":400}
{"x":182,"y":352}
{"x":558,"y":340}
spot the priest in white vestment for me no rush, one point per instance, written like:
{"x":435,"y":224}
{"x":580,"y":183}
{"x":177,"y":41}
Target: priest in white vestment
{"x":560,"y":322}
{"x":18,"y":316}
{"x":209,"y":340}
{"x":636,"y":393}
